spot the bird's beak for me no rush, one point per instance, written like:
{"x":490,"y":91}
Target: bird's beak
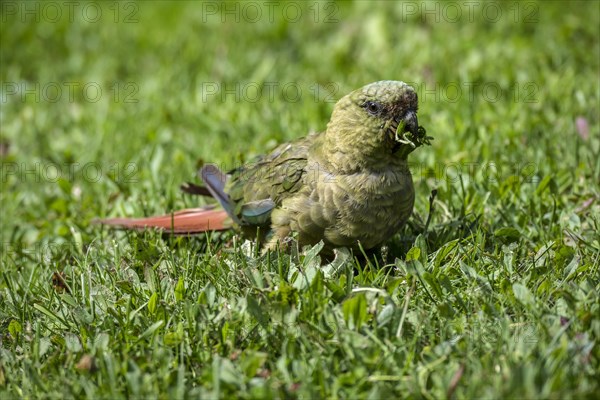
{"x":407,"y":131}
{"x":411,"y":123}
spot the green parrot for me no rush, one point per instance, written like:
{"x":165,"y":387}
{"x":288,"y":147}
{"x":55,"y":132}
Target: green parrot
{"x":348,"y":186}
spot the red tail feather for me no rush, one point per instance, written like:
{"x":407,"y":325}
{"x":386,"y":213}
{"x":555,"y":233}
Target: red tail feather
{"x":191,"y":220}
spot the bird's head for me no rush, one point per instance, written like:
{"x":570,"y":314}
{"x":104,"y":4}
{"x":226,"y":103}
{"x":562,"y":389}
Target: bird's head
{"x":379,"y":118}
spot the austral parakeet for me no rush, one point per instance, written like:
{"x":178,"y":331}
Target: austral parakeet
{"x":347,"y":185}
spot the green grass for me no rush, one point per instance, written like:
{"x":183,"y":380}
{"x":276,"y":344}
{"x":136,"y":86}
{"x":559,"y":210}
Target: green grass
{"x":499,"y":298}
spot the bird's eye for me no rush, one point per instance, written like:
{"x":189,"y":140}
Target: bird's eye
{"x":373,"y":108}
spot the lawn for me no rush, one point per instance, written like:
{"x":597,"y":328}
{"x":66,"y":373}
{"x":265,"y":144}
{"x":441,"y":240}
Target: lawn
{"x":107,"y":107}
